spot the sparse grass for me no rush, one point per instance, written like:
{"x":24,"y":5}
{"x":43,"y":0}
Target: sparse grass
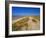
{"x":19,"y":24}
{"x":36,"y":17}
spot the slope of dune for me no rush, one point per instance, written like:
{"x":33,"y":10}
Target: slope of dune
{"x":26,"y":23}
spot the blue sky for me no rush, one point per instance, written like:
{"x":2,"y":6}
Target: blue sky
{"x":25,"y":11}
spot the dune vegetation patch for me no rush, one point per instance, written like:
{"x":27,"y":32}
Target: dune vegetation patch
{"x":26,"y":23}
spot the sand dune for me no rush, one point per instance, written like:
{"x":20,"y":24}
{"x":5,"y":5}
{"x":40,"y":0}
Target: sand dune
{"x":26,"y":23}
